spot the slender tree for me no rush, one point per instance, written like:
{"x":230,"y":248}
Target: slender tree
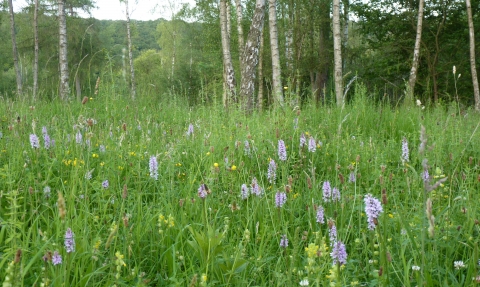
{"x":241,"y":42}
{"x":260,"y":74}
{"x":14,"y":49}
{"x":249,"y":60}
{"x":416,"y":55}
{"x":476,"y":91}
{"x":130,"y":54}
{"x":276,"y":69}
{"x":64,"y":91}
{"x":228,"y":71}
{"x":35,"y":60}
{"x":337,"y":51}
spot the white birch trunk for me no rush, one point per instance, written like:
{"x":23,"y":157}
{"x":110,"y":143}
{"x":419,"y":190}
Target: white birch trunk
{"x":476,"y":91}
{"x":337,"y":53}
{"x":18,"y":73}
{"x":228,"y":72}
{"x":276,"y":69}
{"x":416,"y":55}
{"x":260,"y":75}
{"x":249,"y":60}
{"x":35,"y":60}
{"x":64,"y":91}
{"x":130,"y":54}
{"x":241,"y":42}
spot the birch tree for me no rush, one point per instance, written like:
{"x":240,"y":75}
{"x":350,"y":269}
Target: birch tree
{"x":35,"y":56}
{"x":249,"y":60}
{"x":276,"y":69}
{"x":228,"y":71}
{"x":130,"y":54}
{"x":239,"y":10}
{"x":337,"y":53}
{"x":473,"y":68}
{"x":64,"y":90}
{"x":14,"y":48}
{"x":416,"y":55}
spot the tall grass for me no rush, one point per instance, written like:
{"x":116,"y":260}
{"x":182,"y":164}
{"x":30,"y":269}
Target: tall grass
{"x":139,"y":231}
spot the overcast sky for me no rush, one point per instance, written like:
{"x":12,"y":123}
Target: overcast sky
{"x":139,"y":9}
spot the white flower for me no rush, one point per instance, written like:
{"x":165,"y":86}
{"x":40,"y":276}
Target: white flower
{"x":459,"y":264}
{"x":415,"y":268}
{"x":304,"y":282}
{"x":419,"y":103}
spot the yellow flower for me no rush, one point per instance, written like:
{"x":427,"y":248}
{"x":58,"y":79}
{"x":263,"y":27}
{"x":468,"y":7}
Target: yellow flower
{"x":312,"y":250}
{"x":94,"y":155}
{"x":285,"y":88}
{"x":296,"y":195}
{"x":234,"y":167}
{"x":208,"y":153}
{"x":390,"y":215}
{"x":132,"y":153}
{"x":215,"y":164}
{"x":102,"y":163}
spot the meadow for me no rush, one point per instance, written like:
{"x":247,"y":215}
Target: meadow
{"x":157,"y":193}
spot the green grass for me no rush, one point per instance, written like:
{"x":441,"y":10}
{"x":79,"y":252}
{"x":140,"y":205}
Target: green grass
{"x":145,"y":232}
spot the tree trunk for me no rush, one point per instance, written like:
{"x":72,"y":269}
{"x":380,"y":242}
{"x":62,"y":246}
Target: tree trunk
{"x":276,"y":69}
{"x":35,"y":61}
{"x":64,"y":92}
{"x":241,"y":44}
{"x":346,"y":19}
{"x":250,"y":57}
{"x":476,"y":91}
{"x":260,"y":75}
{"x":228,"y":72}
{"x":337,"y":50}
{"x":130,"y":55}
{"x":416,"y":55}
{"x":14,"y":49}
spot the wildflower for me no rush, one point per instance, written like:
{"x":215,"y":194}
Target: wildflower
{"x":105,"y":184}
{"x":34,"y":141}
{"x":102,"y":148}
{"x":284,"y":241}
{"x":46,"y":191}
{"x":339,"y":253}
{"x":320,"y":215}
{"x":373,"y":208}
{"x":46,"y":139}
{"x":69,"y":241}
{"x":203,"y":191}
{"x":153,"y":167}
{"x":56,"y":258}
{"x":352,"y":177}
{"x":280,"y":199}
{"x":304,"y":282}
{"x":335,"y":194}
{"x":247,"y":150}
{"x":282,"y":150}
{"x":459,"y":265}
{"x":303,"y":140}
{"x":425,"y":175}
{"x":327,"y":191}
{"x":312,"y":145}
{"x":271,"y":174}
{"x":244,"y":191}
{"x":332,"y":234}
{"x":415,"y":268}
{"x":312,"y":250}
{"x":78,"y":137}
{"x":255,"y":188}
{"x":215,"y":165}
{"x":405,"y":153}
{"x":88,"y":174}
{"x":233,"y":168}
{"x":190,"y":130}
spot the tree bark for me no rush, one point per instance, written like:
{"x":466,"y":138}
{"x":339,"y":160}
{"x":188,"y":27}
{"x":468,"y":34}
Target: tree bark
{"x":130,"y":54}
{"x":64,"y":91}
{"x":416,"y":55}
{"x":337,"y":50}
{"x":35,"y":61}
{"x":260,"y":75}
{"x":14,"y":49}
{"x":476,"y":91}
{"x":249,"y":60}
{"x":276,"y":69}
{"x":241,"y":42}
{"x":228,"y":72}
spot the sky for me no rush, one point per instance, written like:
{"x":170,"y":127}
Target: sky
{"x":140,"y":9}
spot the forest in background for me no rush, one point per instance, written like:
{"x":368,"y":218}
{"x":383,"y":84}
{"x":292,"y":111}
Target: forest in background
{"x":183,"y":58}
